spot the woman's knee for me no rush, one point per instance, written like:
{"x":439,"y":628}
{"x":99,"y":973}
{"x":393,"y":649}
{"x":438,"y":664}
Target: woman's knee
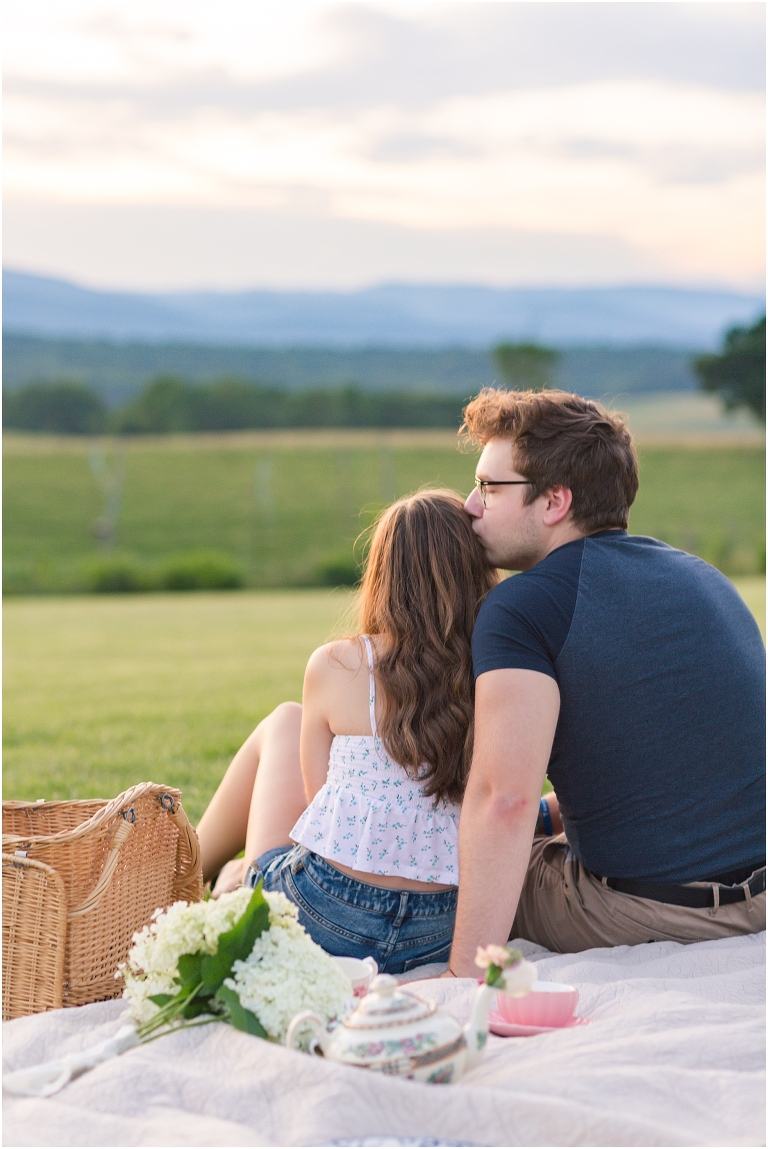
{"x":284,"y":719}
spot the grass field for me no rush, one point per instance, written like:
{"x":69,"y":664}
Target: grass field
{"x":104,"y":692}
{"x":285,"y":505}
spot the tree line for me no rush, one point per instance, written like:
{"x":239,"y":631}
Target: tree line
{"x":169,"y":404}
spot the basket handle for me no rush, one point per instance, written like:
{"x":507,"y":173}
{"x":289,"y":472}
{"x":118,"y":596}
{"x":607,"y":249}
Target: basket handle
{"x":105,"y":814}
{"x":188,"y":848}
{"x":123,"y":832}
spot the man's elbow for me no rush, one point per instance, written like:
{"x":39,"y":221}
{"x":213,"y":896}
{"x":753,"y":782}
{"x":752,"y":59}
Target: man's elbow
{"x":509,"y":809}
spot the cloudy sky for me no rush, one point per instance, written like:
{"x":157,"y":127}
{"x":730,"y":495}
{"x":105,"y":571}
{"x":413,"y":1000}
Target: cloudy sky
{"x":234,"y":143}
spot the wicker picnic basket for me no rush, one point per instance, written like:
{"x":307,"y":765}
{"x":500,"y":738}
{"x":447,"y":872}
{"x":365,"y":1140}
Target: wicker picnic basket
{"x":79,"y":878}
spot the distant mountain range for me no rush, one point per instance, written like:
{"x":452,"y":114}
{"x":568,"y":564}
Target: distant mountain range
{"x":387,"y":316}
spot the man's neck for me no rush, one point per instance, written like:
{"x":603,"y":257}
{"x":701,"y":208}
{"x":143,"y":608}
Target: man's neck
{"x":560,"y":535}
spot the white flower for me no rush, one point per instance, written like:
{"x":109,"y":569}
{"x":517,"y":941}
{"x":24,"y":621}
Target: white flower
{"x":183,"y":928}
{"x":287,"y":972}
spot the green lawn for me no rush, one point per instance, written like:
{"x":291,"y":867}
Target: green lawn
{"x":710,"y":501}
{"x":104,"y":692}
{"x":282,"y":505}
{"x":101,"y":693}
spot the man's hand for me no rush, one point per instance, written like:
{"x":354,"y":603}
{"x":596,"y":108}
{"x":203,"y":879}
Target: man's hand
{"x":516,"y":714}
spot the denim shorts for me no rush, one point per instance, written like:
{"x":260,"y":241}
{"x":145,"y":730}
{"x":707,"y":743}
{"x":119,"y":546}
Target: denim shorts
{"x":348,"y":918}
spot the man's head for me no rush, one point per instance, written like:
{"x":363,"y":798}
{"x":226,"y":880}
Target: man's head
{"x":578,"y":463}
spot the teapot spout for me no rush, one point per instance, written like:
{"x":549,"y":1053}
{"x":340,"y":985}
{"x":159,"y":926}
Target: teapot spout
{"x":476,"y":1029}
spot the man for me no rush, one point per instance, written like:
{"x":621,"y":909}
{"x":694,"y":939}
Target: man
{"x":631,"y":673}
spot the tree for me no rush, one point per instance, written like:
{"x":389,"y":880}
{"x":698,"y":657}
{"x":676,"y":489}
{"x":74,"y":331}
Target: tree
{"x":163,"y":405}
{"x":63,"y":407}
{"x":738,"y":373}
{"x":526,"y":366}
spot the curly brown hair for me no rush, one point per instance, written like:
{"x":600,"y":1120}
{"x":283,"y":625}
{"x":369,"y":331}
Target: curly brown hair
{"x":562,"y":440}
{"x":424,"y":581}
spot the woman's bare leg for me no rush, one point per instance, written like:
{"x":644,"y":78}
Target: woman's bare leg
{"x":260,"y":796}
{"x":279,"y":798}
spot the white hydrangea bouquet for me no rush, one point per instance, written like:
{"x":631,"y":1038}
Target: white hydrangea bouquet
{"x":242,"y":959}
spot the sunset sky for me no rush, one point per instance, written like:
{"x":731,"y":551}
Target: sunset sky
{"x":236,"y":143}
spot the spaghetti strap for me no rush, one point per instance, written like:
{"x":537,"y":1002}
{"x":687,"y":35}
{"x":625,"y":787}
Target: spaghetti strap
{"x":372,"y":685}
{"x":371,"y":814}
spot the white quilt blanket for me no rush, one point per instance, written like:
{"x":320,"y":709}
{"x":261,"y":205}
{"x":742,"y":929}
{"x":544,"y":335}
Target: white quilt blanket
{"x":674,"y":1055}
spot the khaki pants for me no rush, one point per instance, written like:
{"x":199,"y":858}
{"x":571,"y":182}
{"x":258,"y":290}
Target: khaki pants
{"x":567,"y":909}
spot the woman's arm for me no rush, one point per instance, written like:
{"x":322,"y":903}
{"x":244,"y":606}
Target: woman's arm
{"x":316,"y":734}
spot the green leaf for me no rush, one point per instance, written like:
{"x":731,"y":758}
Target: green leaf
{"x":199,"y":1004}
{"x":236,"y":944}
{"x":190,"y":970}
{"x":173,"y":1007}
{"x":162,"y":999}
{"x":494,"y":974}
{"x":239,"y":1016}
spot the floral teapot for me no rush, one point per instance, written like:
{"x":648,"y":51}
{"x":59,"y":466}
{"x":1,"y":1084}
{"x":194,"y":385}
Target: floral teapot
{"x":396,"y":1032}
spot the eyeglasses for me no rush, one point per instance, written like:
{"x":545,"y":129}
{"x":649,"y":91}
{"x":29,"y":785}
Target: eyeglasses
{"x":483,"y":485}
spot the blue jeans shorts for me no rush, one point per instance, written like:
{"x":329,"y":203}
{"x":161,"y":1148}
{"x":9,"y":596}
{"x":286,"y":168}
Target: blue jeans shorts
{"x":399,"y":928}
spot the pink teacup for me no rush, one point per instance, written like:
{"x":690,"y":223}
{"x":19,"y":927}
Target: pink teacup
{"x":549,"y":1004}
{"x":360,"y":972}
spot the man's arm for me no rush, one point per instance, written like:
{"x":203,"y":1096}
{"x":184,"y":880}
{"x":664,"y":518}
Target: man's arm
{"x":515,"y":718}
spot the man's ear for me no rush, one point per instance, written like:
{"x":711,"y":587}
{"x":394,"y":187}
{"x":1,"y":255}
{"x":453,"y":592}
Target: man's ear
{"x":558,"y":505}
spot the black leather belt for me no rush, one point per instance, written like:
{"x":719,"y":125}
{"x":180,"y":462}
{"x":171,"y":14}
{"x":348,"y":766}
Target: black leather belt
{"x":698,"y":897}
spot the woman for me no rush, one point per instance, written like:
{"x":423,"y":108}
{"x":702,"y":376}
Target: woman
{"x":380,"y":751}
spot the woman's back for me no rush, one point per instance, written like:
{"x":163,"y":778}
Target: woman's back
{"x":381,"y":749}
{"x":368,"y":814}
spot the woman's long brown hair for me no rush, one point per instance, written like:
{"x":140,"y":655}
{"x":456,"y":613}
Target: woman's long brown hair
{"x":424,"y":581}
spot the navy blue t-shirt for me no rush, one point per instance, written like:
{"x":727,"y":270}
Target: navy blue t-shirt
{"x":658,"y":759}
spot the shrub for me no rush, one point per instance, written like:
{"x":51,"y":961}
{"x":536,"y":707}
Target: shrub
{"x":201,"y":570}
{"x":117,"y":575}
{"x":339,"y":570}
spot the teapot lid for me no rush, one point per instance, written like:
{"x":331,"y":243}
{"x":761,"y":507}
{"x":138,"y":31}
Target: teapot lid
{"x":386,"y":1004}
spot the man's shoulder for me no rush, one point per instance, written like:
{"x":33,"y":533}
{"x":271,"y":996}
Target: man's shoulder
{"x":637,"y":559}
{"x":613,"y":555}
{"x":556,"y":576}
{"x":525,"y":619}
{"x":648,"y":589}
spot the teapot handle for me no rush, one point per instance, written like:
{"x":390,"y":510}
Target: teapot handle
{"x":306,"y":1020}
{"x":372,"y":965}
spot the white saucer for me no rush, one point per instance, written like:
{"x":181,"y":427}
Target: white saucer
{"x":502,"y":1028}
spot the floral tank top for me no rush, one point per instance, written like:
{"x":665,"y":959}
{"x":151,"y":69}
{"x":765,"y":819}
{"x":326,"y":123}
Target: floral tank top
{"x":372,"y":816}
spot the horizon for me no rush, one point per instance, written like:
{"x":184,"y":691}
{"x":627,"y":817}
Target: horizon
{"x":636,"y":285}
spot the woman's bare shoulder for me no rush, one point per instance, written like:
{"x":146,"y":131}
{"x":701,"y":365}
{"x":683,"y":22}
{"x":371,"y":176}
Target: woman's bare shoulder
{"x":345,"y":656}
